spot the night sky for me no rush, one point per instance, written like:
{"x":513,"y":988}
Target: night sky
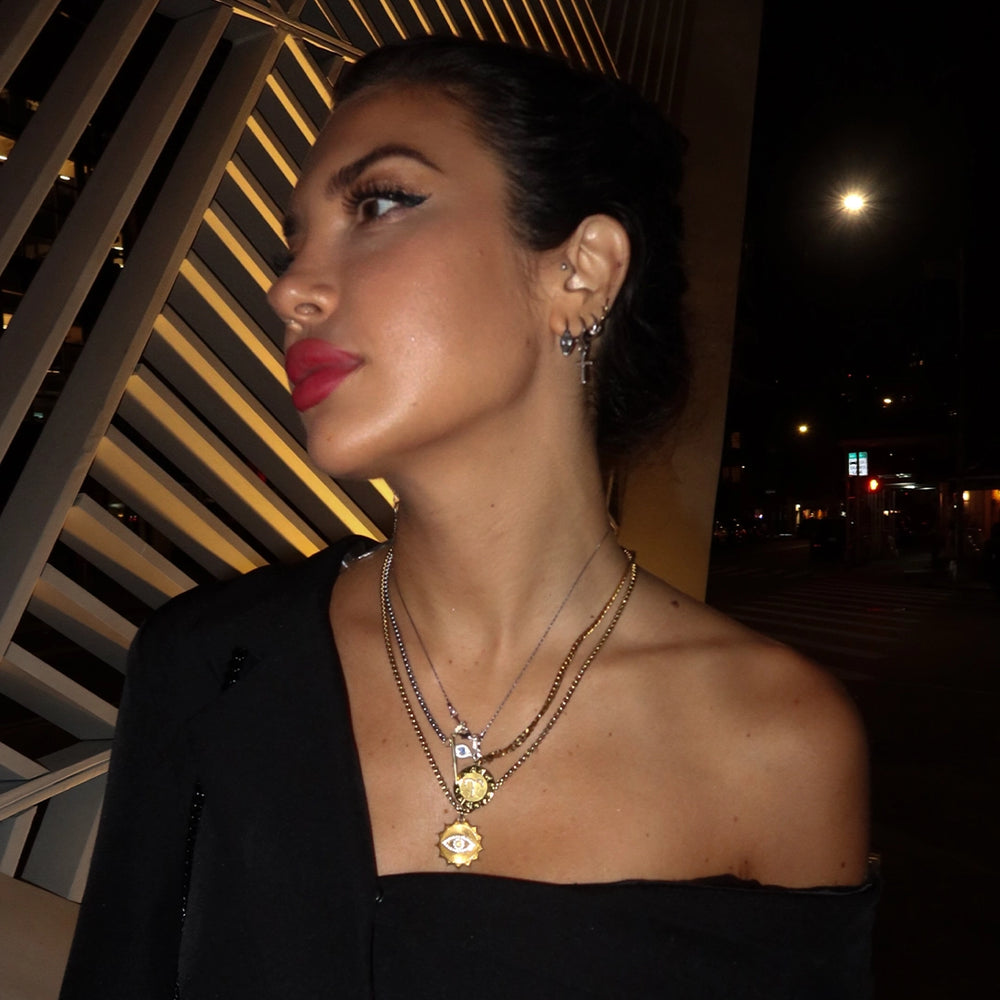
{"x":838,"y":312}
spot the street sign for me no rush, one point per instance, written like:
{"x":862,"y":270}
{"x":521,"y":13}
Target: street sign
{"x":857,"y":463}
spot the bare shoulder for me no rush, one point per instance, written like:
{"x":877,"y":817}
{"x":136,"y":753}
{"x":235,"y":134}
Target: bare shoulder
{"x":781,"y":738}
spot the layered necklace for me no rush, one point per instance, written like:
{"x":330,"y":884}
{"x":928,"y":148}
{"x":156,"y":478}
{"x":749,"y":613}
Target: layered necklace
{"x":473,"y":785}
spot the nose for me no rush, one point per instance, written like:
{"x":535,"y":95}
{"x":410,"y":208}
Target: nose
{"x":302,"y":297}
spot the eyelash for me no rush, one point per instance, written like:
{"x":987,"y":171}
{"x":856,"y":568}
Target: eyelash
{"x":356,"y":199}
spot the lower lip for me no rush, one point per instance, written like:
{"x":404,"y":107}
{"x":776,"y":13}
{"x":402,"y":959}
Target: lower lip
{"x":316,"y":387}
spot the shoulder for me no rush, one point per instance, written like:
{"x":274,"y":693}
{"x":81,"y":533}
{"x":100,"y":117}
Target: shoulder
{"x":245,"y":602}
{"x":189,"y":641}
{"x":797,"y":744}
{"x":782,"y":740}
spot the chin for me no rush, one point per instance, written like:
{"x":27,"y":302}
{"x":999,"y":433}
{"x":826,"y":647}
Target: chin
{"x":334,"y":462}
{"x":341,"y":458}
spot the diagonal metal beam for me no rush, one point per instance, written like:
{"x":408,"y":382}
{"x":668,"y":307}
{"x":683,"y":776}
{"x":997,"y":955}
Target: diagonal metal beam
{"x":268,"y":15}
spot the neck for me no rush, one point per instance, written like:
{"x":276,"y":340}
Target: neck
{"x":483,"y":563}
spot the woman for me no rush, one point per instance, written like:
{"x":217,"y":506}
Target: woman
{"x":520,"y":766}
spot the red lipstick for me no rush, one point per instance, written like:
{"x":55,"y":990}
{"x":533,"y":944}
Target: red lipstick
{"x":315,"y":368}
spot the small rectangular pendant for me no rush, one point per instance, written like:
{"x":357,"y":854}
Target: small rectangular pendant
{"x":464,"y":750}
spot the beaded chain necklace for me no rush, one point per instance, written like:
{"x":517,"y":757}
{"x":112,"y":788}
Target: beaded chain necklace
{"x":460,"y":843}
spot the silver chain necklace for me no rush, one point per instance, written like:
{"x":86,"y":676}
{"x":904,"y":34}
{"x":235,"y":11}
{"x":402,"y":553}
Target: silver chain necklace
{"x":462,"y":727}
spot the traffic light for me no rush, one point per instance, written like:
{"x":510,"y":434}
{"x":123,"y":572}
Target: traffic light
{"x":874,"y":485}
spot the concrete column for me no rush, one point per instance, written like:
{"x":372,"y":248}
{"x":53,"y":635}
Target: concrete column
{"x":668,"y":502}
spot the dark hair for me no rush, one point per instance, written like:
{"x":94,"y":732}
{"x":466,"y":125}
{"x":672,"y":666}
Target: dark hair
{"x":575,"y":144}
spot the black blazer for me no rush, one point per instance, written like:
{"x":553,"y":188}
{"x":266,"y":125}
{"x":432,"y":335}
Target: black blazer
{"x":233,"y":786}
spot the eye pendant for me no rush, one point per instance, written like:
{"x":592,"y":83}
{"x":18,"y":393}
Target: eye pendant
{"x":460,"y":843}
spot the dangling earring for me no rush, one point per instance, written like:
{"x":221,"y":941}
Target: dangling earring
{"x":595,"y":329}
{"x":567,"y":342}
{"x":586,"y":335}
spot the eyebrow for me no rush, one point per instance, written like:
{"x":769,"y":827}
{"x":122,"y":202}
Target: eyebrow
{"x":349,"y":173}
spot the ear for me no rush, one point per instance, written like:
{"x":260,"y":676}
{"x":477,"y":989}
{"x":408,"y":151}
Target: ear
{"x":588,"y":272}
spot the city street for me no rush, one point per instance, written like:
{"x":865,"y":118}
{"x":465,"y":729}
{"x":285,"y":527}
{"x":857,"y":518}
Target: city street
{"x":921,"y":657}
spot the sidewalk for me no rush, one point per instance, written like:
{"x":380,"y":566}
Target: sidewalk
{"x":931,"y":712}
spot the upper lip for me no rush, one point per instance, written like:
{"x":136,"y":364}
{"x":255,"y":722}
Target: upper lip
{"x":311,"y":355}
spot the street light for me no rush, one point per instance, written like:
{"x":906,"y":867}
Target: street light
{"x":803,"y":428}
{"x":853,"y":202}
{"x":853,"y":205}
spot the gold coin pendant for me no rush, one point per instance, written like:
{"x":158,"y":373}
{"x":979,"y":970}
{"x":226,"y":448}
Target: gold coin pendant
{"x":475,"y":786}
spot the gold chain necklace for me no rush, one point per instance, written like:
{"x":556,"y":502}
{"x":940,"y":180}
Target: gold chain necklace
{"x":460,"y":843}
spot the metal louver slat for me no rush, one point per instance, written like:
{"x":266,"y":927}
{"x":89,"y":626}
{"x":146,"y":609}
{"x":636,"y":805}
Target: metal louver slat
{"x":66,"y":274}
{"x":64,"y":113}
{"x":51,"y":479}
{"x":185,"y":441}
{"x":178,"y":353}
{"x":22,"y":21}
{"x":135,"y":478}
{"x":91,"y":532}
{"x":82,"y":617}
{"x":34,"y":684}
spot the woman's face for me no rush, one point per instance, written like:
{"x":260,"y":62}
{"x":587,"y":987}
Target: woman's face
{"x":412,"y":318}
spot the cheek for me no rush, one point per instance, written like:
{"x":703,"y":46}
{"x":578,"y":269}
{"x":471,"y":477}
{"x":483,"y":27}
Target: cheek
{"x":442,"y":303}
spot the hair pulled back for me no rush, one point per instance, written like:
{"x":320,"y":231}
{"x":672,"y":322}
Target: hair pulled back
{"x":574,"y":144}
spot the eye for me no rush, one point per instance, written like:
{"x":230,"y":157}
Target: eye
{"x":375,"y":208}
{"x":370,"y":204}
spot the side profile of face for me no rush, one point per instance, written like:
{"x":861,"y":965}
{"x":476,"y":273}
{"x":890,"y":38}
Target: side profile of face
{"x":411,"y":314}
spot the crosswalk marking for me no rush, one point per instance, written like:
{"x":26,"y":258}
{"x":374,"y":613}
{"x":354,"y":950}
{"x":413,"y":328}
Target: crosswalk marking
{"x":835,"y":621}
{"x":827,"y":607}
{"x":822,"y":617}
{"x":814,"y":648}
{"x":908,"y":595}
